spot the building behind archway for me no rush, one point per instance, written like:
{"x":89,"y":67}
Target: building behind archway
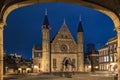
{"x":60,"y":54}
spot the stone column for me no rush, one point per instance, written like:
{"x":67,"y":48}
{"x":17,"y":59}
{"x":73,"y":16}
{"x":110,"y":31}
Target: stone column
{"x":118,"y":51}
{"x":1,"y":50}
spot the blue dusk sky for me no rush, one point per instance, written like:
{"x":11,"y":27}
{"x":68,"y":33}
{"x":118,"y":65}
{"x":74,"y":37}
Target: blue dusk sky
{"x":23,"y":28}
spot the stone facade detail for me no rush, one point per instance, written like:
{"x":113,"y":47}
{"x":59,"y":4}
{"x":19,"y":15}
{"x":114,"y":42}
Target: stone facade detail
{"x":108,"y":56}
{"x":62,"y":53}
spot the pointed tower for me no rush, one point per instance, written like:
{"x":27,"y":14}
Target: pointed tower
{"x":80,"y":40}
{"x":45,"y":45}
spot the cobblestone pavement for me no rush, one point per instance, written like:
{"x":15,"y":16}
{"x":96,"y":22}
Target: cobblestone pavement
{"x":81,"y":76}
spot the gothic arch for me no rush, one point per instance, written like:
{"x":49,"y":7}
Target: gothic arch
{"x":66,"y":60}
{"x":66,"y":63}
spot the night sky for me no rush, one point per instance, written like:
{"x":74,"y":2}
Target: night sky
{"x":23,"y":28}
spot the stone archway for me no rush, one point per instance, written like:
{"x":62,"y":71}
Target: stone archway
{"x":6,"y":9}
{"x":101,"y":9}
{"x":66,"y":63}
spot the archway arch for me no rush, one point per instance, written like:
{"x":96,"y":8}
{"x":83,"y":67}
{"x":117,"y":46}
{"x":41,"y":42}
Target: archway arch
{"x":109,"y":13}
{"x":101,"y":9}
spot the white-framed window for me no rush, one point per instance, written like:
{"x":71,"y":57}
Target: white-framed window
{"x":115,"y":47}
{"x":110,"y":48}
{"x":107,"y":58}
{"x":115,"y":57}
{"x":111,"y":59}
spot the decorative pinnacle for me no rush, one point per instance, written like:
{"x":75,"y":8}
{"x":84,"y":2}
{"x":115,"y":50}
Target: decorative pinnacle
{"x":64,"y":21}
{"x":46,"y":11}
{"x":80,"y":18}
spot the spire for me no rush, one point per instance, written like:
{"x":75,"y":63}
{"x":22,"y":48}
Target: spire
{"x":80,"y":18}
{"x":46,"y":11}
{"x":80,"y":29}
{"x":46,"y":23}
{"x":64,"y":21}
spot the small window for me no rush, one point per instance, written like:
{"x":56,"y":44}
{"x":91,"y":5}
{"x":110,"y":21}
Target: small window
{"x":66,"y":36}
{"x":54,"y":63}
{"x":39,"y":55}
{"x":73,"y":63}
{"x":62,"y":36}
{"x":39,"y":65}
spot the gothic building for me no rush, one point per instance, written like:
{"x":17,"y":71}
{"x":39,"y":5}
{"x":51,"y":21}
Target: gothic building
{"x":62,"y":53}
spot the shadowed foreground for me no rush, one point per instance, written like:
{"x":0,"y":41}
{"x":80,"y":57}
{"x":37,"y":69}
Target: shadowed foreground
{"x":60,"y":76}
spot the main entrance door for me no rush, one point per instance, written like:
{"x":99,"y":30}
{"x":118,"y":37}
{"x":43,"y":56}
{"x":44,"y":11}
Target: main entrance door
{"x":66,"y":64}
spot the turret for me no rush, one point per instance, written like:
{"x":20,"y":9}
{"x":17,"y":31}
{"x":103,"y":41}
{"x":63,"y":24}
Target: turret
{"x":46,"y":45}
{"x":80,"y":41}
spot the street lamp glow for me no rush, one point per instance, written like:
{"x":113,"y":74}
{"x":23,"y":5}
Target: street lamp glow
{"x":28,"y":69}
{"x":36,"y":67}
{"x":19,"y":69}
{"x":96,"y":67}
{"x":89,"y":66}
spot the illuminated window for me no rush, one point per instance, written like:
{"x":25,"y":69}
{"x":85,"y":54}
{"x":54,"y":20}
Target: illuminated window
{"x":107,"y":58}
{"x":115,"y":47}
{"x":37,"y":54}
{"x":115,"y":57}
{"x":111,"y":59}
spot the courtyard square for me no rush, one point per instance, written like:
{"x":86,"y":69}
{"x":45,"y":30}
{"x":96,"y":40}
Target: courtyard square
{"x":59,"y":76}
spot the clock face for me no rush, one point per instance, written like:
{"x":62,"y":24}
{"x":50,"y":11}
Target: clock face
{"x":63,"y":47}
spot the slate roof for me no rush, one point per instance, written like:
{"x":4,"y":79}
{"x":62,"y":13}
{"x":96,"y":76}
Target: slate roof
{"x":80,"y":28}
{"x":46,"y":22}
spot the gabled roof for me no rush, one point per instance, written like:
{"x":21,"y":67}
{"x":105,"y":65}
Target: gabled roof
{"x":113,"y":38}
{"x":103,"y":47}
{"x":64,"y":33}
{"x":64,"y":28}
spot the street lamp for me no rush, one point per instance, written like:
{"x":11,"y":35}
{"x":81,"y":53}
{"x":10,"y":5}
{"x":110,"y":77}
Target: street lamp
{"x":35,"y":68}
{"x":89,"y":67}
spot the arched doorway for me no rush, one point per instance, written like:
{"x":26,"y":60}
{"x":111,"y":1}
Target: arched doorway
{"x":66,"y":64}
{"x":14,"y":6}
